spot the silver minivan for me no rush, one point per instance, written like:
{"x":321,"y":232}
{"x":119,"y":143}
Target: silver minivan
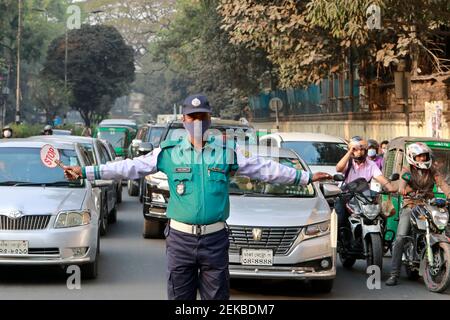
{"x":281,"y":231}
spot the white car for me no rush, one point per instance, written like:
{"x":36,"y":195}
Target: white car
{"x":321,"y":152}
{"x":45,"y":219}
{"x":281,"y":231}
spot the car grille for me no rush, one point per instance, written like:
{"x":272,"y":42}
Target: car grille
{"x":279,"y":239}
{"x":37,"y":222}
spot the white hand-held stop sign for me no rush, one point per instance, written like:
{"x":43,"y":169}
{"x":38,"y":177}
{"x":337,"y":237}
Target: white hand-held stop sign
{"x":50,"y":158}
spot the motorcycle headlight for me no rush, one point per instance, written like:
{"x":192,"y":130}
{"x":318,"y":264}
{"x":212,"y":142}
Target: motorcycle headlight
{"x":371,"y":211}
{"x":67,"y":219}
{"x":440,"y":218}
{"x":317,"y":229}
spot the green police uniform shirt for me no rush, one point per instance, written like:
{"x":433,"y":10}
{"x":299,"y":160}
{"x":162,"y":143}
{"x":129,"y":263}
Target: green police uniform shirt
{"x":198,"y":179}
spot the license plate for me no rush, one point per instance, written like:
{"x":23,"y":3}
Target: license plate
{"x":13,"y":247}
{"x":257,"y":257}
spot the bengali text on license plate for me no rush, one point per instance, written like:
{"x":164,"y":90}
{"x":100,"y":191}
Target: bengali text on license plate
{"x":257,"y":257}
{"x":13,"y":247}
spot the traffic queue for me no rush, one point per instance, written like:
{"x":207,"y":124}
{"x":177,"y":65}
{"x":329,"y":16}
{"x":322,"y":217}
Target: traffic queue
{"x":284,"y":205}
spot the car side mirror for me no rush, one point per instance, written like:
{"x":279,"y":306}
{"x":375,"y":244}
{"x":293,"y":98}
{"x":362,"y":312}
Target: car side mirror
{"x":135,"y":143}
{"x":144,"y":148}
{"x":338,"y":177}
{"x":394,"y":177}
{"x":330,"y":190}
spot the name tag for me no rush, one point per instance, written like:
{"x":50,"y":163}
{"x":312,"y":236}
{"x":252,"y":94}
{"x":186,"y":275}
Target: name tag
{"x":182,"y":169}
{"x":216,"y":170}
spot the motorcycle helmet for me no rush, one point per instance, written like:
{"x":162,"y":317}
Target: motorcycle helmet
{"x":7,"y":132}
{"x":415,"y":149}
{"x":48,"y":130}
{"x":360,"y":143}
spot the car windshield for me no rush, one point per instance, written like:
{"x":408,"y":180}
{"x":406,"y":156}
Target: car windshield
{"x":23,"y":167}
{"x":116,"y":138}
{"x":154,"y":135}
{"x":317,"y":153}
{"x":243,"y":185}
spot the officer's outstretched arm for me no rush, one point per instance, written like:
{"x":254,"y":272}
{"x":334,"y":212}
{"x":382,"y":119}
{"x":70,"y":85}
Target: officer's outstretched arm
{"x":125,"y":169}
{"x":265,"y":170}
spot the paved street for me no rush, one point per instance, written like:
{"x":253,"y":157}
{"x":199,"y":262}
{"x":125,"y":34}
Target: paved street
{"x":134,"y":268}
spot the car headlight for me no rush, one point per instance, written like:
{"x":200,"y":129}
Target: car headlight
{"x":158,"y":197}
{"x":440,"y":218}
{"x":371,"y":211}
{"x":67,"y":219}
{"x":317,"y":229}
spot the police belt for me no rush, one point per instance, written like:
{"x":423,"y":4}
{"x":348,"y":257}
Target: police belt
{"x":197,"y":229}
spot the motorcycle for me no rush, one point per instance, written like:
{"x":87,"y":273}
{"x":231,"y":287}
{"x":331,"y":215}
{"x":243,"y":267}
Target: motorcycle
{"x":426,"y":250}
{"x":362,"y":238}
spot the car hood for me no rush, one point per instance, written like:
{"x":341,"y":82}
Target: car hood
{"x":277,"y":212}
{"x":39,"y":200}
{"x":327,"y":169}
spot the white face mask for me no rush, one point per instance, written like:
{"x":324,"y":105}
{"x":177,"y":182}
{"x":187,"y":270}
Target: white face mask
{"x":7,"y":134}
{"x":372,"y":153}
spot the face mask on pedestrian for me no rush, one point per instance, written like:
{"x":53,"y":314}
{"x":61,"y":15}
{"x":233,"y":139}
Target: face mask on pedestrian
{"x":7,"y":134}
{"x":197,"y":129}
{"x":372,"y":153}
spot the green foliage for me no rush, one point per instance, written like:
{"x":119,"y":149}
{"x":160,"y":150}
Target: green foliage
{"x":100,"y":68}
{"x":308,"y":39}
{"x":199,"y":57}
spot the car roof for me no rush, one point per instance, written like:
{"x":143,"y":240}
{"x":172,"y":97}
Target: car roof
{"x":33,"y":143}
{"x":117,"y":121}
{"x":304,"y":136}
{"x":215,"y":123}
{"x":73,"y":139}
{"x":115,"y":126}
{"x":399,"y":142}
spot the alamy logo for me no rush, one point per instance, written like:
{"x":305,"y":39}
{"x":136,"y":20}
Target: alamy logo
{"x":74,"y":280}
{"x":374,"y":280}
{"x":373,"y":14}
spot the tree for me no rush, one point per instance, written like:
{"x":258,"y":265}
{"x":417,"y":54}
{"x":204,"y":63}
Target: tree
{"x":100,"y":68}
{"x":308,"y":39}
{"x":201,"y":58}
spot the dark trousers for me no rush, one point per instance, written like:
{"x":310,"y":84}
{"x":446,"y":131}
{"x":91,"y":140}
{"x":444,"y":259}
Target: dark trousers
{"x":197,"y":263}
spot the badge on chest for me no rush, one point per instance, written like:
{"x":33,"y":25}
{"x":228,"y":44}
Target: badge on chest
{"x":181,"y":188}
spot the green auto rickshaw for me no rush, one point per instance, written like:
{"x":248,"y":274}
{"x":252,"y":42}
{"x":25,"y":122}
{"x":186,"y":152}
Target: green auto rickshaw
{"x":119,"y":137}
{"x":394,"y":161}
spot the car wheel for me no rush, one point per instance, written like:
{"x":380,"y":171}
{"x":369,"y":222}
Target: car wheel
{"x":104,"y":219}
{"x":152,"y":229}
{"x":322,"y":286}
{"x":133,"y":190}
{"x":90,"y":270}
{"x":112,"y":216}
{"x":119,"y":194}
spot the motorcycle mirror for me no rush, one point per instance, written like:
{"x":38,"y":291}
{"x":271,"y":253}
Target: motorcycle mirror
{"x":338,"y":177}
{"x":394,"y":177}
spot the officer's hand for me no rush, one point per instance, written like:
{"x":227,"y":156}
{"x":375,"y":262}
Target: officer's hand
{"x":72,"y":172}
{"x":321,"y":176}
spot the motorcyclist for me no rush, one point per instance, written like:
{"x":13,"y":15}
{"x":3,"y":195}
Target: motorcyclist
{"x":7,"y":132}
{"x":372,"y":153}
{"x":48,"y":130}
{"x":354,"y":164}
{"x":419,"y":176}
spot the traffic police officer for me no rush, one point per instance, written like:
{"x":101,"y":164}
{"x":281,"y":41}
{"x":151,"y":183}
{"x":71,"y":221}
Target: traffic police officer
{"x":198,"y":172}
